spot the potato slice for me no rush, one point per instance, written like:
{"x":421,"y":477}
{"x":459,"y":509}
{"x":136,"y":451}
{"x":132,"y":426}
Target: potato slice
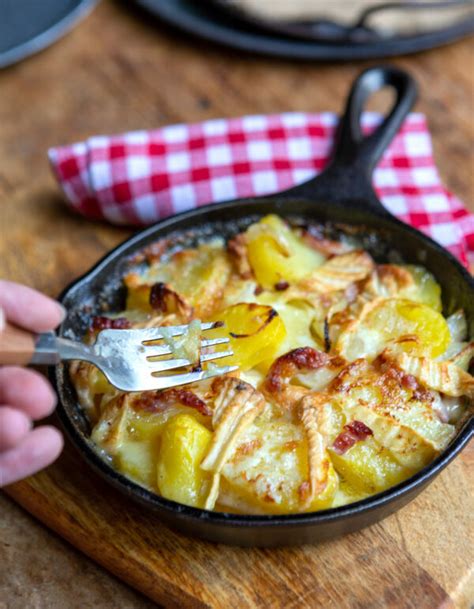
{"x":138,"y":461}
{"x":422,"y":330}
{"x":184,"y":443}
{"x":268,"y":471}
{"x":276,"y":253}
{"x":148,"y":426}
{"x":426,"y":289}
{"x":93,"y":389}
{"x":256,"y":332}
{"x":369,"y":467}
{"x":138,"y":298}
{"x":401,"y":417}
{"x":198,"y":276}
{"x":408,"y":447}
{"x":297,"y":317}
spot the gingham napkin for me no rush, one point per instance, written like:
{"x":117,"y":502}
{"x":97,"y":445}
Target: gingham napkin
{"x":140,"y":177}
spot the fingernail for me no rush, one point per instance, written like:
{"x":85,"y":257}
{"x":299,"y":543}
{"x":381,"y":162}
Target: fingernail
{"x":2,"y":320}
{"x":63,"y":311}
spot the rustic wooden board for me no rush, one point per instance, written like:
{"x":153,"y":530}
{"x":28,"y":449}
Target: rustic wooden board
{"x":115,"y":73}
{"x":418,"y":559}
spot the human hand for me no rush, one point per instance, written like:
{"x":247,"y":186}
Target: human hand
{"x":25,"y":395}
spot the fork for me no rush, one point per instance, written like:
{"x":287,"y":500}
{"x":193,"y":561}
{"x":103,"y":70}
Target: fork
{"x":122,"y":355}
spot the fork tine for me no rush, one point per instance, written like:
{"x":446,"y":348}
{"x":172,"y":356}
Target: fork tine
{"x":208,"y":357}
{"x":214,"y":341}
{"x":156,"y":350}
{"x":165,"y":382}
{"x":149,"y":334}
{"x":168,"y":364}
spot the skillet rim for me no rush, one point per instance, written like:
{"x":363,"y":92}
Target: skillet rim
{"x":157,"y":502}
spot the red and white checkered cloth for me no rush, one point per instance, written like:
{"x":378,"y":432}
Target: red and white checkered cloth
{"x":140,"y":177}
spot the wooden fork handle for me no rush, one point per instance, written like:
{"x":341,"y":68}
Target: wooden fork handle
{"x":17,"y":346}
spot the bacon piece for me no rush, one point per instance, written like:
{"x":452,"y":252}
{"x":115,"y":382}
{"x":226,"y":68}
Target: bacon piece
{"x":355,"y":431}
{"x":408,"y":381}
{"x":158,"y":401}
{"x":286,"y":366}
{"x":277,"y":385}
{"x":100,"y":322}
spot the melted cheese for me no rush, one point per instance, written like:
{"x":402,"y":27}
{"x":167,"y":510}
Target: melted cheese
{"x":268,"y":438}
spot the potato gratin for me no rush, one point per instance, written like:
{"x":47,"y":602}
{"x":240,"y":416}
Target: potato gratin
{"x":350,"y":379}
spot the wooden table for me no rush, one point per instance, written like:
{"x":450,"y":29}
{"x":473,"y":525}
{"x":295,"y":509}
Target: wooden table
{"x":119,"y":71}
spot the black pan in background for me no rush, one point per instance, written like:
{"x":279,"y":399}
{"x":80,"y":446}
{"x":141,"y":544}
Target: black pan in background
{"x":341,"y":194}
{"x":359,"y":31}
{"x":200,"y":18}
{"x":28,"y":26}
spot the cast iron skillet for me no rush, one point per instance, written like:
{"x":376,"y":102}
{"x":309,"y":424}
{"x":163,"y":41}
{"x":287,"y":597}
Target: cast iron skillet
{"x":341,"y":194}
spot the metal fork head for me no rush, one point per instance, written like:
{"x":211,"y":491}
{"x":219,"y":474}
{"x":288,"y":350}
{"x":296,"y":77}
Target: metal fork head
{"x":130,"y":363}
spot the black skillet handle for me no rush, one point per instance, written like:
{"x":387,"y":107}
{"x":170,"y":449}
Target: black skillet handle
{"x":347,"y":179}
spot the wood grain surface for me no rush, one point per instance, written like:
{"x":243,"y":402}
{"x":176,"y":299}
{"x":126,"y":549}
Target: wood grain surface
{"x":417,"y":559}
{"x":121,"y":71}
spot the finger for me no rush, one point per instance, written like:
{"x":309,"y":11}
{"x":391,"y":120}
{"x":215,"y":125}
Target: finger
{"x":28,"y":308}
{"x":26,"y":390}
{"x":37,"y":450}
{"x":14,"y":426}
